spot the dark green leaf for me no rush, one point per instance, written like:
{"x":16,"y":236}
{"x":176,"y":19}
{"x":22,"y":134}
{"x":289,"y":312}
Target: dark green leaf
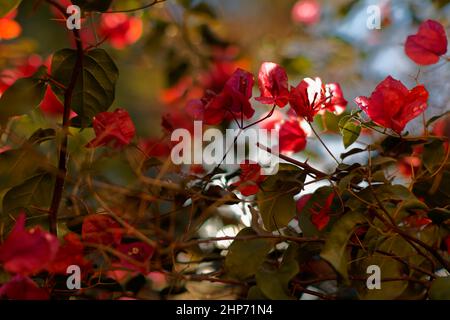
{"x":42,"y":135}
{"x":6,"y":6}
{"x":433,"y":155}
{"x":19,"y":164}
{"x":276,"y":199}
{"x":24,"y":95}
{"x":335,"y":247}
{"x":95,"y":88}
{"x":439,"y":215}
{"x":440,"y":289}
{"x":93,"y":5}
{"x":351,"y":152}
{"x":273,"y":282}
{"x":434,"y":119}
{"x":33,"y":192}
{"x":246,"y":256}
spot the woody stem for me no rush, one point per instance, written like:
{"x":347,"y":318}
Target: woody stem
{"x":62,"y":159}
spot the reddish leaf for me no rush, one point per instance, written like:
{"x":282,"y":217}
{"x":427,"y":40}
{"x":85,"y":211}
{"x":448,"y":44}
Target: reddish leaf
{"x":112,"y":127}
{"x":27,"y":252}
{"x":139,"y":252}
{"x":428,"y":44}
{"x":23,"y":288}
{"x":391,"y":105}
{"x":101,"y":229}
{"x":70,"y":253}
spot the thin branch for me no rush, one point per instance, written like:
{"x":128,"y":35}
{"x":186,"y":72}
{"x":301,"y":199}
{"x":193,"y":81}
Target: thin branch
{"x":62,"y":161}
{"x":136,"y":9}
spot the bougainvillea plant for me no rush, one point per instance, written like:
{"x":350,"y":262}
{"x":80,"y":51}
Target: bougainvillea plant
{"x":80,"y":186}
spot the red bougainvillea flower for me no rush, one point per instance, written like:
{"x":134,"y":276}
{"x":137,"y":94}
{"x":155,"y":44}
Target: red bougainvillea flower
{"x":154,"y":148}
{"x":320,"y":214}
{"x":140,"y":254}
{"x":232,"y":101}
{"x":418,"y":220}
{"x":307,"y":98}
{"x":447,"y":244}
{"x":120,"y":29}
{"x":428,"y":45}
{"x":101,"y":229}
{"x":392,"y":105}
{"x":176,"y":119}
{"x":9,"y":29}
{"x":273,"y":84}
{"x":334,"y":98}
{"x":51,"y":105}
{"x":249,"y":179}
{"x":238,"y":91}
{"x":273,"y":122}
{"x":70,"y":253}
{"x":221,"y":70}
{"x":442,"y":129}
{"x":302,"y":201}
{"x":23,"y":288}
{"x":27,"y":252}
{"x":409,"y":165}
{"x":292,"y":136}
{"x":306,"y":11}
{"x":112,"y":127}
{"x":23,"y":69}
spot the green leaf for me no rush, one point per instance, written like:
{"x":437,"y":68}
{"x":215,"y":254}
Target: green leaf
{"x":95,"y":88}
{"x":350,"y":131}
{"x":439,"y":215}
{"x":352,"y":152}
{"x":276,"y":199}
{"x":93,"y":5}
{"x":24,"y":95}
{"x":254,"y":293}
{"x":335,"y":247}
{"x":33,"y":192}
{"x":6,"y":6}
{"x":274,"y":282}
{"x":277,"y":209}
{"x":246,"y":256}
{"x":18,"y":164}
{"x":394,"y":246}
{"x":440,"y":289}
{"x":434,"y":119}
{"x":433,"y":155}
{"x":42,"y":135}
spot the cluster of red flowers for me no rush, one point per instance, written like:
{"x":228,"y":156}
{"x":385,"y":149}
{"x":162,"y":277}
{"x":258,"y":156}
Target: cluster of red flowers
{"x":27,"y":252}
{"x":119,"y":29}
